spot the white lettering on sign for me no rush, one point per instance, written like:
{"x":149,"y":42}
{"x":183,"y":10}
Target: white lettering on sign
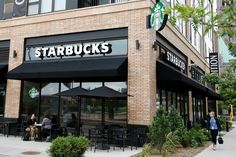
{"x":71,"y":50}
{"x":175,"y":60}
{"x":214,"y":63}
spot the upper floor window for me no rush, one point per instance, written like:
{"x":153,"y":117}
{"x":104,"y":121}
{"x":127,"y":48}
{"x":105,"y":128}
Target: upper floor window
{"x":8,"y":6}
{"x":45,"y":6}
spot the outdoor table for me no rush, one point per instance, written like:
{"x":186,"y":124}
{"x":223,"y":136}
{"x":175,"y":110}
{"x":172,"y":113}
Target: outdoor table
{"x":39,"y":127}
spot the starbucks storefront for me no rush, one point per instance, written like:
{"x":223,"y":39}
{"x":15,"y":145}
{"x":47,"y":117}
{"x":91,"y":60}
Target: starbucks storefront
{"x":53,"y":64}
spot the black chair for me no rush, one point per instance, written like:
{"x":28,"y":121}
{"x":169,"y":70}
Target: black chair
{"x":10,"y":126}
{"x":120,"y":137}
{"x":98,"y":139}
{"x":55,"y":131}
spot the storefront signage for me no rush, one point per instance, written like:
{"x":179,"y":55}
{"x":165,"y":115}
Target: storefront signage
{"x":158,"y":17}
{"x":33,"y":92}
{"x":214,"y":62}
{"x":174,"y":59}
{"x":72,"y":50}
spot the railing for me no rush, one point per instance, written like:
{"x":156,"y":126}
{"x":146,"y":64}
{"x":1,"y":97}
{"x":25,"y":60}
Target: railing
{"x":89,"y":3}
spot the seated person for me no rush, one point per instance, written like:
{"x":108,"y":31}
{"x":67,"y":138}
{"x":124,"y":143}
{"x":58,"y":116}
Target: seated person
{"x":46,"y":126}
{"x":30,"y":127}
{"x":72,"y":123}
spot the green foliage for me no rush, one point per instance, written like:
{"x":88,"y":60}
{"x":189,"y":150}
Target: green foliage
{"x":159,"y":129}
{"x":172,"y":141}
{"x":146,"y":152}
{"x":197,"y":136}
{"x":226,"y":82}
{"x":183,"y":135}
{"x":168,"y":131}
{"x":175,"y":120}
{"x":222,"y":121}
{"x":69,"y":146}
{"x":222,"y":23}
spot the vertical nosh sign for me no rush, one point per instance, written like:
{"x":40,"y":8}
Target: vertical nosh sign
{"x":214,"y":62}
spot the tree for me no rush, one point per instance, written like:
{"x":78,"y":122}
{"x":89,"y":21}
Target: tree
{"x":222,"y":23}
{"x":226,"y":82}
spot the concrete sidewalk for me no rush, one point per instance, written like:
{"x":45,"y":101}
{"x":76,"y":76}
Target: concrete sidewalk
{"x":228,"y":149}
{"x":15,"y":147}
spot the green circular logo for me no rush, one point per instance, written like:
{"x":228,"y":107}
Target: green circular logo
{"x":158,"y":17}
{"x":33,"y":92}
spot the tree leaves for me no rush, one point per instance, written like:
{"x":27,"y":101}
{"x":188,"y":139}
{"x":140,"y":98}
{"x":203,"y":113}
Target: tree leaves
{"x":222,"y":23}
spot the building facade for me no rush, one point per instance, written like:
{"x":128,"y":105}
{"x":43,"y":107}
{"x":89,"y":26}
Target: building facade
{"x":58,"y":45}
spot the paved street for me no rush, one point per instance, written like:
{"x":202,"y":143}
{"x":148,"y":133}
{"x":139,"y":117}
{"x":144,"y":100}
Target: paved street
{"x":228,"y":149}
{"x":15,"y":147}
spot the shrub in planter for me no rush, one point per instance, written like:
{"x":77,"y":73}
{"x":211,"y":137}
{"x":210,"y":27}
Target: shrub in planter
{"x":159,"y":129}
{"x":69,"y":146}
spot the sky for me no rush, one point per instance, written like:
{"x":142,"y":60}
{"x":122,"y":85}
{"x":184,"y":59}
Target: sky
{"x":224,"y":50}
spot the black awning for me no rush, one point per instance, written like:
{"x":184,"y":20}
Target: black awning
{"x":213,"y":95}
{"x":166,"y":73}
{"x":83,"y":69}
{"x":169,"y":75}
{"x":3,"y":72}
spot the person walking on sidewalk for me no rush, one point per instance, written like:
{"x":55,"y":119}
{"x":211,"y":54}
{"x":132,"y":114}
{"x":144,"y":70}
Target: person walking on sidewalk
{"x":213,"y":125}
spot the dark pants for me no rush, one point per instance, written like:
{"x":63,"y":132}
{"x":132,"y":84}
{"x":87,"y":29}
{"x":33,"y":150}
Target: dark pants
{"x":214,"y":134}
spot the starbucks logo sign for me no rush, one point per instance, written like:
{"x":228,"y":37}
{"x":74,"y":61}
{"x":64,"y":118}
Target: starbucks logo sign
{"x":19,"y":2}
{"x":158,"y":17}
{"x":33,"y":92}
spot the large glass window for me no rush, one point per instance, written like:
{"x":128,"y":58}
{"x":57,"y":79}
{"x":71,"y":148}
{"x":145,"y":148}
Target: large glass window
{"x":50,"y":101}
{"x":69,"y":106}
{"x":116,"y":109}
{"x":30,"y":99}
{"x":41,"y":99}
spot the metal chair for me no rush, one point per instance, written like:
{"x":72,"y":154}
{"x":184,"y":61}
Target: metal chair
{"x":120,"y":137}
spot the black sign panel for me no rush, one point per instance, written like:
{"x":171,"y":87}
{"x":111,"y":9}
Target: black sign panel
{"x":214,"y":62}
{"x":19,"y":8}
{"x":175,"y":60}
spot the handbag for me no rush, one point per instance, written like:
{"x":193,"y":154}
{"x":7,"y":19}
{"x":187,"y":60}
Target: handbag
{"x":220,"y":140}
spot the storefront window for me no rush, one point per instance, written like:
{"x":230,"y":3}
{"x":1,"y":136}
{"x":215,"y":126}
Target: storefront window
{"x":169,"y":101}
{"x":50,"y":101}
{"x":163,"y":99}
{"x":2,"y":98}
{"x":30,"y":99}
{"x":116,"y":109}
{"x":91,"y":108}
